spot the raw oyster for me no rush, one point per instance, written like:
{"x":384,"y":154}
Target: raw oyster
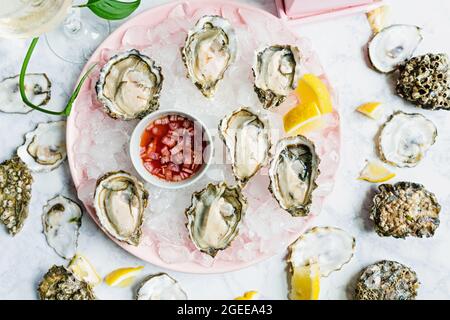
{"x":119,"y":201}
{"x":277,"y":71}
{"x":405,"y":138}
{"x":15,"y":193}
{"x":62,"y":221}
{"x":425,"y":81}
{"x":37,"y":89}
{"x":387,"y":280}
{"x":210,"y":48}
{"x":60,"y":284}
{"x":129,"y":86}
{"x":247,"y":139}
{"x":83,"y":270}
{"x":392,"y":46}
{"x":160,"y":287}
{"x":45,"y":147}
{"x":293,"y":173}
{"x":405,"y":209}
{"x":214,"y":217}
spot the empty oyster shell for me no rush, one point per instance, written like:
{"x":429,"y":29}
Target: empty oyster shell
{"x":15,"y":193}
{"x":160,"y":287}
{"x":387,"y":280}
{"x":248,"y":141}
{"x":405,"y":209}
{"x":392,"y":46}
{"x":214,"y":217}
{"x":293,"y":173}
{"x":210,"y":48}
{"x":405,"y":138}
{"x":119,"y":201}
{"x":60,"y":284}
{"x":129,"y":86}
{"x":37,"y":89}
{"x":277,"y":71}
{"x":62,"y":221}
{"x":45,"y":147}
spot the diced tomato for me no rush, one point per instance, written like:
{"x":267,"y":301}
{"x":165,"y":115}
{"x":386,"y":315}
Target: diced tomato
{"x":146,"y":138}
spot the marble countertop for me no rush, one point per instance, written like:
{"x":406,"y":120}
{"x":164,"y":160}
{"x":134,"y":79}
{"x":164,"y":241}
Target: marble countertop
{"x":340,"y":44}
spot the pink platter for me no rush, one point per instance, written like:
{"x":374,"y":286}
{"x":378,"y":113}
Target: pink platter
{"x":97,"y":144}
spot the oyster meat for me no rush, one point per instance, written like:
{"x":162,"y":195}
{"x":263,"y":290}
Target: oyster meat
{"x":119,"y":201}
{"x":425,"y":81}
{"x":129,"y":86}
{"x":37,"y":89}
{"x":60,"y":284}
{"x":387,"y":280}
{"x":247,"y":139}
{"x":210,"y":48}
{"x":45,"y":147}
{"x":214,"y":217}
{"x":277,"y":71}
{"x":160,"y":287}
{"x":62,"y":221}
{"x":405,"y":138}
{"x":293,"y":173}
{"x":15,"y":193}
{"x":405,"y":209}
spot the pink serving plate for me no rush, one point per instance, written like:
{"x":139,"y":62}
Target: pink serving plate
{"x":86,"y":109}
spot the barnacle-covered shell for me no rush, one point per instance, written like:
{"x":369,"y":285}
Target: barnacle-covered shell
{"x":425,"y":81}
{"x":15,"y":193}
{"x":214,"y":217}
{"x":160,"y":286}
{"x":293,"y":173}
{"x":119,"y":201}
{"x":277,"y":71}
{"x":387,"y":280}
{"x":60,"y":284}
{"x":210,"y":48}
{"x":405,"y":209}
{"x":129,"y":85}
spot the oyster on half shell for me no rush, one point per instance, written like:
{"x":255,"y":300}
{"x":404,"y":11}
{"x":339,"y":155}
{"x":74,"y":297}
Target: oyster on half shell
{"x":210,"y":48}
{"x":119,"y":201}
{"x":293,"y":172}
{"x":247,"y":138}
{"x":214,"y":217}
{"x":160,"y":286}
{"x":129,"y":86}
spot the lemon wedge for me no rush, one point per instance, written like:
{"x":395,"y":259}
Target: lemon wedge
{"x":378,"y":18}
{"x":305,"y":283}
{"x":83,"y":270}
{"x":122,"y":277}
{"x":312,"y":89}
{"x":370,"y":109}
{"x":298,"y":116}
{"x":250,"y":295}
{"x":375,"y":172}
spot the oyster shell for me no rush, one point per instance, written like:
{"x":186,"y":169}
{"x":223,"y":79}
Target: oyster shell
{"x":387,"y":280}
{"x":405,"y":209}
{"x":37,"y":89}
{"x":160,"y":286}
{"x":119,"y":201}
{"x":277,"y":71}
{"x":61,"y":221}
{"x":405,"y":138}
{"x":60,"y":284}
{"x":425,"y":81}
{"x":210,"y":48}
{"x":214,"y":217}
{"x":392,"y":46}
{"x":129,"y":86}
{"x":15,"y":193}
{"x":247,"y":139}
{"x":45,"y":147}
{"x":293,"y":173}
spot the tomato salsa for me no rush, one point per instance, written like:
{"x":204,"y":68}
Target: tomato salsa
{"x":172,"y":148}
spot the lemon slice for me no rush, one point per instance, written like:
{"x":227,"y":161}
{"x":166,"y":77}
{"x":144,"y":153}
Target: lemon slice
{"x":122,"y":277}
{"x":250,"y":295}
{"x":83,"y":270}
{"x":370,"y":109}
{"x":305,"y":283}
{"x":299,"y":115}
{"x":375,"y":172}
{"x":312,"y":89}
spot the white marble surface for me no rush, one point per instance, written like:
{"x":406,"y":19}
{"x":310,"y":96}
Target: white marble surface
{"x":26,"y":257}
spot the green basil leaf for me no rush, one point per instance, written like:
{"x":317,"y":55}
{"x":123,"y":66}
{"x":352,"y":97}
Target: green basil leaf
{"x":112,"y":9}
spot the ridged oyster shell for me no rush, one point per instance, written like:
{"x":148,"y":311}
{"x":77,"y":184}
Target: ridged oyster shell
{"x":160,"y":286}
